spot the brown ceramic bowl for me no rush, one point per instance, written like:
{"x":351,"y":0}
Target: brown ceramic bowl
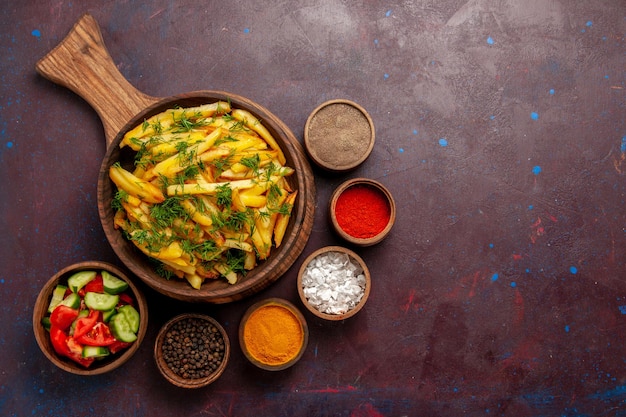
{"x":211,"y":373}
{"x":82,"y":63}
{"x":267,"y":311}
{"x":373,"y":186}
{"x":43,"y":337}
{"x":339,"y":135}
{"x":302,"y":283}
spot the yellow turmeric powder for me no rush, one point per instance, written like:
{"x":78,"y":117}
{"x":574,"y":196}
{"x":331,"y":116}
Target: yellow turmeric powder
{"x":273,"y":335}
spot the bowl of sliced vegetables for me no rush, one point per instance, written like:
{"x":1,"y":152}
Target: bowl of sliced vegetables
{"x":90,"y":318}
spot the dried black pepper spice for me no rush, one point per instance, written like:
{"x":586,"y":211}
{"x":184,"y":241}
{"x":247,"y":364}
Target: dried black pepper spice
{"x":193,"y":348}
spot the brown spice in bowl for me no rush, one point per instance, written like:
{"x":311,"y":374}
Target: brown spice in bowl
{"x":339,"y":135}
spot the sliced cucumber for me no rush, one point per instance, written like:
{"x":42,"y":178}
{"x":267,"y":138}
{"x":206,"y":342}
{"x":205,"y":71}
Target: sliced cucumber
{"x":72,"y":301}
{"x":121,"y":328}
{"x":132,"y":316}
{"x":112,"y":284}
{"x":106,"y":315}
{"x":101,"y":302}
{"x":45,"y":322}
{"x":57,"y":296}
{"x":80,"y":279}
{"x":95,"y":351}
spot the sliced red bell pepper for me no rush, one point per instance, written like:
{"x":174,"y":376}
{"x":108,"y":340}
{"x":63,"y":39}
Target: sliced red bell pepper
{"x":62,"y":317}
{"x":95,"y":285}
{"x":58,"y":339}
{"x":118,"y":346}
{"x":84,"y":324}
{"x":98,"y":335}
{"x":67,"y":347}
{"x":125,"y":299}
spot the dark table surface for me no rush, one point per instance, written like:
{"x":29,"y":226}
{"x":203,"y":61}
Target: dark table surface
{"x":499,"y":130}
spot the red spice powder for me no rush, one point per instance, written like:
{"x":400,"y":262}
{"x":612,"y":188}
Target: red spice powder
{"x":362,"y":211}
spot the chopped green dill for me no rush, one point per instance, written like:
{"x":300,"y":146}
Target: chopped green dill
{"x":206,"y":250}
{"x":285,"y":209}
{"x":164,"y":180}
{"x":191,"y":171}
{"x":158,"y":127}
{"x":237,"y":219}
{"x":225,"y":139}
{"x":239,"y":126}
{"x":135,"y":141}
{"x":162,"y":271}
{"x":235,"y":260}
{"x":200,"y":205}
{"x":140,"y":236}
{"x":224,"y":195}
{"x":119,"y":197}
{"x":165,"y":213}
{"x":188,"y":123}
{"x":222,"y":164}
{"x":273,"y":194}
{"x":251,"y":162}
{"x":181,"y":147}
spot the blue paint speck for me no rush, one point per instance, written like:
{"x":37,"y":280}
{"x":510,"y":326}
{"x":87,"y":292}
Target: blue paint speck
{"x":492,"y":117}
{"x":552,"y":91}
{"x":491,"y":245}
{"x":375,"y":41}
{"x":606,"y":77}
{"x":617,"y":392}
{"x":573,"y":269}
{"x":1,"y":280}
{"x":490,"y":40}
{"x":9,"y":144}
{"x":41,"y":390}
{"x":622,"y":309}
{"x":566,"y":328}
{"x":534,"y":115}
{"x":385,"y":76}
{"x":589,"y":23}
{"x":443,"y":142}
{"x":388,"y":13}
{"x":623,"y":147}
{"x":495,"y":277}
{"x":36,"y":33}
{"x":531,"y":207}
{"x":246,"y":30}
{"x":415,"y":132}
{"x":536,"y":169}
{"x":513,"y":284}
{"x":401,"y":150}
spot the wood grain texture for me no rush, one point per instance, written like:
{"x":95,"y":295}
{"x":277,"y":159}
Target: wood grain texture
{"x":81,"y":62}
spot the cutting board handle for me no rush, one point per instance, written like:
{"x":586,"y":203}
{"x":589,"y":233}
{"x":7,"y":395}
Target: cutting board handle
{"x":81,"y":62}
